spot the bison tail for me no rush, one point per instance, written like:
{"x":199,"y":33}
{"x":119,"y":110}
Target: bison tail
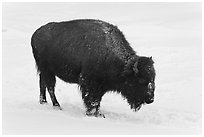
{"x":36,"y":64}
{"x":37,"y":60}
{"x":36,"y":56}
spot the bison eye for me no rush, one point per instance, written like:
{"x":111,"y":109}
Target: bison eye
{"x":149,"y":68}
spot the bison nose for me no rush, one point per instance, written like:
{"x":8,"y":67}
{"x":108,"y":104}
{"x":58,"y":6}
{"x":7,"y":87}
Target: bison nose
{"x":149,"y":100}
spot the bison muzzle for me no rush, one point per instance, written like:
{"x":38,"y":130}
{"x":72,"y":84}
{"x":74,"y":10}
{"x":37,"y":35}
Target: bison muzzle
{"x":95,"y":55}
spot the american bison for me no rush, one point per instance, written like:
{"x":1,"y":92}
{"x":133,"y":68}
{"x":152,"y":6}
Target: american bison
{"x":95,"y":55}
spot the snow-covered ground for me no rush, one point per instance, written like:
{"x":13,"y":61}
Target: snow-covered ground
{"x":170,"y":32}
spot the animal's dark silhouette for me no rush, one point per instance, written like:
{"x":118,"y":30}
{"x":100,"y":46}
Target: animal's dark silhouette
{"x":95,"y":55}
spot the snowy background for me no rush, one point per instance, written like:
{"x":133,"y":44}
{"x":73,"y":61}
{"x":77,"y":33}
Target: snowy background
{"x":170,"y":32}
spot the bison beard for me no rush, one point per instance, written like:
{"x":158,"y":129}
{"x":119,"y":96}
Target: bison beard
{"x":95,"y":55}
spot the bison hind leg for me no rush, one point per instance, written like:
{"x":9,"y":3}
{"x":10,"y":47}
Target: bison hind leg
{"x":48,"y":80}
{"x":43,"y":99}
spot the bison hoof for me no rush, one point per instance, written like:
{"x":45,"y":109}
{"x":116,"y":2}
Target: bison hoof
{"x":100,"y":115}
{"x":57,"y":107}
{"x":43,"y":101}
{"x":96,"y":114}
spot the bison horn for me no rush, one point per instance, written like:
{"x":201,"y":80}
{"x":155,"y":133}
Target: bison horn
{"x":135,"y":69}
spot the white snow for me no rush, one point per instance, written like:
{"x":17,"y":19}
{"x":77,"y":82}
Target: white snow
{"x":170,"y":32}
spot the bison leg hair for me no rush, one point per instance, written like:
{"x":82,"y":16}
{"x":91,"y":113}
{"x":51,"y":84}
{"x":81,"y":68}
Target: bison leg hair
{"x":42,"y":91}
{"x":55,"y":103}
{"x":48,"y":80}
{"x":92,"y":99}
{"x":92,"y":104}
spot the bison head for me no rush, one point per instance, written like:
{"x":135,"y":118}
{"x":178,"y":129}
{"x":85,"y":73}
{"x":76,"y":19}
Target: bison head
{"x":139,"y":85}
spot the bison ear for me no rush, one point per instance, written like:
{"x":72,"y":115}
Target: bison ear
{"x":135,"y":68}
{"x":151,"y":60}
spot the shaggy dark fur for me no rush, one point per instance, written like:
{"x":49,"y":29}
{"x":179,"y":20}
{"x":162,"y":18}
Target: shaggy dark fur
{"x":95,"y":55}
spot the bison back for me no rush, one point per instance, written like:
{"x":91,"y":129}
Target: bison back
{"x":90,"y":47}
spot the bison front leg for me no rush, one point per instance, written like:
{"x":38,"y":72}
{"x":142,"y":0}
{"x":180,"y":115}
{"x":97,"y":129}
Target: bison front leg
{"x":92,"y":103}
